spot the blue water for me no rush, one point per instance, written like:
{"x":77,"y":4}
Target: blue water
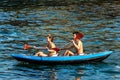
{"x":32,"y":21}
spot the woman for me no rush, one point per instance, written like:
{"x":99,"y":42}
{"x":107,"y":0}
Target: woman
{"x":51,"y":47}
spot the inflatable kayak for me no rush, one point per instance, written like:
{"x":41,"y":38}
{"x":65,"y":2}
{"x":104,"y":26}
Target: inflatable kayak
{"x":63,"y":59}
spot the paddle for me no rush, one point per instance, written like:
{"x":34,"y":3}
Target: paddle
{"x":27,"y":46}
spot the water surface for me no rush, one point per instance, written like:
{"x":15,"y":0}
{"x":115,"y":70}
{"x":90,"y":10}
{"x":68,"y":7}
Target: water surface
{"x":32,"y":21}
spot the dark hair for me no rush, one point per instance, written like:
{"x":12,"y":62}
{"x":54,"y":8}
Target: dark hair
{"x":75,"y":32}
{"x":79,"y":35}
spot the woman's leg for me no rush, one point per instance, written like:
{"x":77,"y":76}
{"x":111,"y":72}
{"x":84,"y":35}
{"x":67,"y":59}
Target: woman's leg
{"x":41,"y":54}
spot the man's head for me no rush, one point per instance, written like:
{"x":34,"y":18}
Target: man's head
{"x":77,"y":35}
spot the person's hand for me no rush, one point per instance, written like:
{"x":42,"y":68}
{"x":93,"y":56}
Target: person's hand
{"x":47,"y":48}
{"x":72,"y":41}
{"x":34,"y":47}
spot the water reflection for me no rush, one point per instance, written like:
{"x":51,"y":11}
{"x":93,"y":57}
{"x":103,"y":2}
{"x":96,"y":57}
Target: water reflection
{"x":57,"y":72}
{"x":79,"y":75}
{"x":51,"y":75}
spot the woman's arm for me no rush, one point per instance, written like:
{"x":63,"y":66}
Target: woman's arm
{"x":50,"y":50}
{"x":34,"y":47}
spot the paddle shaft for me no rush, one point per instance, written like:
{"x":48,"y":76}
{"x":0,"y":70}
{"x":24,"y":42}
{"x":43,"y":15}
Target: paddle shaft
{"x":34,"y":47}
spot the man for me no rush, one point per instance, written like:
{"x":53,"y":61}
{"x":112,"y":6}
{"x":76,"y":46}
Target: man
{"x":76,"y":43}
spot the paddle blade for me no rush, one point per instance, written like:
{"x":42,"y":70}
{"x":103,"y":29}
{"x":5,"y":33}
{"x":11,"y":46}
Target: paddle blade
{"x":27,"y":46}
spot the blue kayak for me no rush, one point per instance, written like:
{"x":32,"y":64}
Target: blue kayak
{"x":96,"y":57}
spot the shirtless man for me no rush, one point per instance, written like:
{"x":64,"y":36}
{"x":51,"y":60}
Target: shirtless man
{"x":51,"y":47}
{"x":77,"y":44}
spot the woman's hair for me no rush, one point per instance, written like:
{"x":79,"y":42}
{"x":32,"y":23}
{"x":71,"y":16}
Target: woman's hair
{"x":51,"y":37}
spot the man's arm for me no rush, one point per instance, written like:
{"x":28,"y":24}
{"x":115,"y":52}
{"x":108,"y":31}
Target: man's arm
{"x":69,"y":46}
